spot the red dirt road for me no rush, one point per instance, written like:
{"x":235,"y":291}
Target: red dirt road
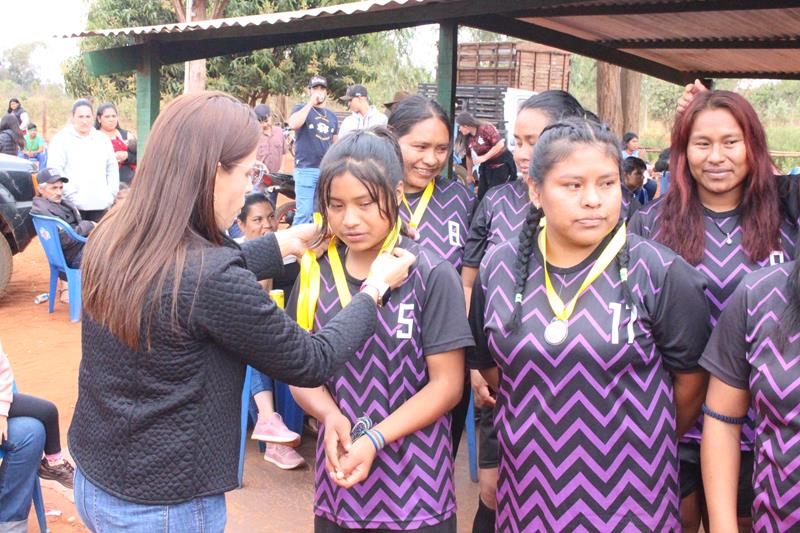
{"x":45,"y":351}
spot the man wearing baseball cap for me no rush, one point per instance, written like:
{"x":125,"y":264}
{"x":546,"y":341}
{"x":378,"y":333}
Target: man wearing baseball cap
{"x":315,"y":129}
{"x":52,"y":203}
{"x":364,"y":115}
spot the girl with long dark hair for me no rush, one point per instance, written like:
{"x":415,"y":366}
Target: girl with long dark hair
{"x":16,"y":109}
{"x":11,"y":138}
{"x":173,"y":313}
{"x":384,"y":454}
{"x":722,"y":214}
{"x":591,"y":338}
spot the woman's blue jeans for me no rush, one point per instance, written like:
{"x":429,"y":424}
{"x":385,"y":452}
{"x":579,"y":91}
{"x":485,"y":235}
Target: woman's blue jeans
{"x":103,"y":512}
{"x":23,"y":452}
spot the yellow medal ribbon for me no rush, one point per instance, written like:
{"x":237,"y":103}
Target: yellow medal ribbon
{"x":308,"y":293}
{"x":419,"y":212}
{"x":562,"y":311}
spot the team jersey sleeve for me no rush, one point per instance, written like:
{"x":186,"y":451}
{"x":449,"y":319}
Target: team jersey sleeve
{"x":444,"y":316}
{"x":479,"y":356}
{"x":725,"y":356}
{"x":636,"y":225}
{"x":478,"y":235}
{"x":681,"y":323}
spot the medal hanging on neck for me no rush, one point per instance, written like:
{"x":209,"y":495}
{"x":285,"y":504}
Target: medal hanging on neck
{"x":557,"y":331}
{"x":728,"y":239}
{"x":416,"y":215}
{"x":308,"y":293}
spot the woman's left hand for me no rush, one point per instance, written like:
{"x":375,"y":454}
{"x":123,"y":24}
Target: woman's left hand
{"x":356,"y":463}
{"x":297,"y":239}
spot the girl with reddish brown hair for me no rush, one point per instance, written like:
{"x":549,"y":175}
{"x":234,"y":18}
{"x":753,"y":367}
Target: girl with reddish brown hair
{"x":723,"y":214}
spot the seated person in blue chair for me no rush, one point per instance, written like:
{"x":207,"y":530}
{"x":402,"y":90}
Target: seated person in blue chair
{"x":52,"y":203}
{"x":257,"y":218}
{"x":633,"y":169}
{"x":35,"y":146}
{"x":28,"y":429}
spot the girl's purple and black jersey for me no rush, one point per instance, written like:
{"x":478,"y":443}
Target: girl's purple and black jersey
{"x":586,"y":429}
{"x":747,"y":351}
{"x":411,"y":481}
{"x":445,"y":224}
{"x":498,"y":218}
{"x":723,"y":265}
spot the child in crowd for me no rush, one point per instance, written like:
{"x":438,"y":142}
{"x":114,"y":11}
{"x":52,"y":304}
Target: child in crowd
{"x":384,"y":453}
{"x":256,"y":219}
{"x":12,"y":404}
{"x":34,"y":149}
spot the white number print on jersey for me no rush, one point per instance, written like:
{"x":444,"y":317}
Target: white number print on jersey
{"x":405,"y":321}
{"x":776,"y":258}
{"x":454,"y":232}
{"x":616,"y":309}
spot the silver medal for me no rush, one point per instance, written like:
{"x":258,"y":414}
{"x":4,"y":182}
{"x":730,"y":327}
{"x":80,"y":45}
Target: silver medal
{"x":728,"y":240}
{"x":556,"y":332}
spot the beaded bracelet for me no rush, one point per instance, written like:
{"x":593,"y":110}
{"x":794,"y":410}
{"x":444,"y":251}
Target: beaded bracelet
{"x":360,"y":427}
{"x":381,"y":438}
{"x":372,"y":437}
{"x":722,"y":418}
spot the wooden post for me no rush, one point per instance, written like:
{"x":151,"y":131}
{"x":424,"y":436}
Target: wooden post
{"x":148,"y":95}
{"x":446,"y":73}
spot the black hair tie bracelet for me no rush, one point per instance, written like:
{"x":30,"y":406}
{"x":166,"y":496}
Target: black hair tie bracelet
{"x":722,"y":418}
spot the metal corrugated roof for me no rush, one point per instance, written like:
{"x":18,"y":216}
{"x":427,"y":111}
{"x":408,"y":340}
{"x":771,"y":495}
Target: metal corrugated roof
{"x":252,"y":20}
{"x":675,"y":40}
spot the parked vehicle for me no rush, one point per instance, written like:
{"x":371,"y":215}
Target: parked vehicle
{"x":276,"y":183}
{"x":17,"y":190}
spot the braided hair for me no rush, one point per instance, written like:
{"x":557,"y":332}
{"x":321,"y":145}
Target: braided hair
{"x":556,"y":143}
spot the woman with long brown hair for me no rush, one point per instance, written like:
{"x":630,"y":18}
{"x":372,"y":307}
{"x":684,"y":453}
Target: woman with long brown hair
{"x":174,"y":312}
{"x":722,"y":214}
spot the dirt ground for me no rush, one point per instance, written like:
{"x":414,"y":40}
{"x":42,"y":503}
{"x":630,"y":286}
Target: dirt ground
{"x":45,"y":351}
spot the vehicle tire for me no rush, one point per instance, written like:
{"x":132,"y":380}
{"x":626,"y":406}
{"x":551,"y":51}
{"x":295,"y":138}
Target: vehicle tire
{"x":6,"y":265}
{"x":285,"y":214}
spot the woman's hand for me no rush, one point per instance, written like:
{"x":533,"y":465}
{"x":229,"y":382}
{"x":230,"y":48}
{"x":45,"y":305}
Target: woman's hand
{"x":391,"y":268}
{"x":481,"y":390}
{"x":357,"y":463}
{"x":297,"y":239}
{"x":689,"y":92}
{"x":121,"y":156}
{"x":337,"y":443}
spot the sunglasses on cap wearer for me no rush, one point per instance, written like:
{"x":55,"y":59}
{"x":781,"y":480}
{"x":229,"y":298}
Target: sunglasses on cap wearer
{"x":256,"y":171}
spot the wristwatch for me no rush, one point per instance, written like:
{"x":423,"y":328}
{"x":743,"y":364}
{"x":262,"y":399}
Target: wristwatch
{"x":381,"y":287}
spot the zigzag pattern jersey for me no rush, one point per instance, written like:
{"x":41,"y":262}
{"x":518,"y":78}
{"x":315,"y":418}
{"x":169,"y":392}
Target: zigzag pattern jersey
{"x":498,"y":218}
{"x":411,"y":482}
{"x":501,"y":214}
{"x":723,"y":265}
{"x":586,"y":429}
{"x":744,"y":353}
{"x":444,"y":226}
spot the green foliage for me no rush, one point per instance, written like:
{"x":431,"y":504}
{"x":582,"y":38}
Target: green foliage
{"x":582,"y":80}
{"x":15,"y":65}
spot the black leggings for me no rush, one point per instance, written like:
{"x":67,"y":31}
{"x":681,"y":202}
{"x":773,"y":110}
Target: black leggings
{"x":45,"y":412}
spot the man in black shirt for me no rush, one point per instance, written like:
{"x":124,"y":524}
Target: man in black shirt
{"x":52,"y":203}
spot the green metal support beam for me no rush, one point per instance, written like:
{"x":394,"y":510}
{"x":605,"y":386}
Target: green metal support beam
{"x":148,"y":95}
{"x":446,"y":72}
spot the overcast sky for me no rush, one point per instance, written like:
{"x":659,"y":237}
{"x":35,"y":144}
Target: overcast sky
{"x":56,"y":17}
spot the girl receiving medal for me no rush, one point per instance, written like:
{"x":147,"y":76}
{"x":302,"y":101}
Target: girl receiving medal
{"x":591,"y":338}
{"x":384,"y":454}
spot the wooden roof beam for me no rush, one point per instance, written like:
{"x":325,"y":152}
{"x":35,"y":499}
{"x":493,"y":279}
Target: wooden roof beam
{"x":788,"y":42}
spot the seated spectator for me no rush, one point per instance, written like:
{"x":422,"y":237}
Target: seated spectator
{"x":52,"y":203}
{"x":11,"y":139}
{"x":15,"y":405}
{"x":256,"y":219}
{"x":34,"y":149}
{"x":630,"y":146}
{"x":633,"y":169}
{"x":662,"y":169}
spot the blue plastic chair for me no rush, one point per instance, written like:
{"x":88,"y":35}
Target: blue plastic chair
{"x":47,"y":228}
{"x":38,"y":499}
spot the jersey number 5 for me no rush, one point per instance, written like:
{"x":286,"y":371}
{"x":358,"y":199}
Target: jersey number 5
{"x":405,"y":321}
{"x":616,"y":310}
